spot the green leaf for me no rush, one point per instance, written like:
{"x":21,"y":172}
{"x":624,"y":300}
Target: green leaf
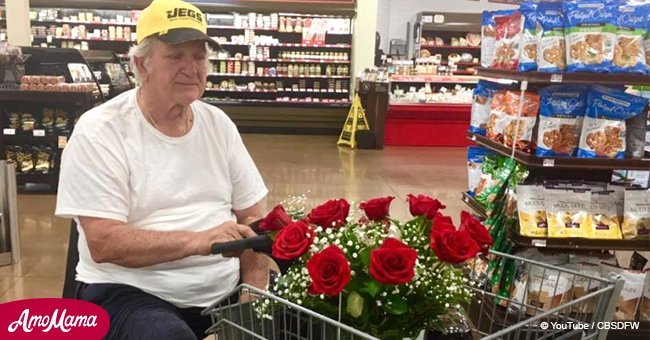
{"x":372,"y":287}
{"x":396,"y":305}
{"x":364,"y":254}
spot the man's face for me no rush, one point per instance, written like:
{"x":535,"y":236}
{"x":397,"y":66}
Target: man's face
{"x":177,"y":71}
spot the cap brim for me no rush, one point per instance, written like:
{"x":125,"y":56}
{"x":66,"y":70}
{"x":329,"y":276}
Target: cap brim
{"x":181,"y":35}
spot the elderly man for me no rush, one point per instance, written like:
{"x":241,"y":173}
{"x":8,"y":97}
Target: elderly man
{"x":154,"y":177}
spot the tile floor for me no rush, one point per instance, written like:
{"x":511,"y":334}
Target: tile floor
{"x":290,"y":165}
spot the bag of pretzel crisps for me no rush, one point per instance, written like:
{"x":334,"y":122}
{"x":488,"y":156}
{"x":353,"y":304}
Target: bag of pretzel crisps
{"x":628,"y":301}
{"x":509,"y":28}
{"x":551,"y":49}
{"x":519,"y":131}
{"x":561,"y":112}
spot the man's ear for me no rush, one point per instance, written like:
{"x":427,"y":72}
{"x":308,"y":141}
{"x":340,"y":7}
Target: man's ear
{"x":140,"y":63}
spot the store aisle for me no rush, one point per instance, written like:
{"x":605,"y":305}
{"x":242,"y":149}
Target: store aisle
{"x":290,"y":165}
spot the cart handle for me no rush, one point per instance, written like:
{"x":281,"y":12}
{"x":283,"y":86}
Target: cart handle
{"x":260,"y":243}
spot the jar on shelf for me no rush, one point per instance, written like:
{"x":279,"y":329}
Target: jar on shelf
{"x":289,"y":70}
{"x":251,"y":67}
{"x":318,"y":70}
{"x":328,"y":70}
{"x":238,"y":67}
{"x":301,"y":70}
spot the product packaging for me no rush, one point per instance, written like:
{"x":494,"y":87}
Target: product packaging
{"x":636,"y":214}
{"x":605,"y":223}
{"x":475,"y":157}
{"x":520,"y":131}
{"x":590,"y":35}
{"x":509,"y":29}
{"x":551,"y":55}
{"x":530,"y":37}
{"x":561,"y":112}
{"x":532,"y":210}
{"x":567,"y":212}
{"x":603,"y":129}
{"x":629,"y":53}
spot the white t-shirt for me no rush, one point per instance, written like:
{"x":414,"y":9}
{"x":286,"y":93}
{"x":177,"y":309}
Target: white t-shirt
{"x":117,"y":166}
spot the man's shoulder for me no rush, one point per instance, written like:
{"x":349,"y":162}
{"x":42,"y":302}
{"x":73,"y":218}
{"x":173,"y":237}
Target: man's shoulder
{"x":214,"y":114}
{"x":105,"y":117}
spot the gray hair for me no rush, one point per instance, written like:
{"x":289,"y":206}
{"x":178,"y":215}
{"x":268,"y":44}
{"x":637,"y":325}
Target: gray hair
{"x":141,"y":50}
{"x":144,"y":50}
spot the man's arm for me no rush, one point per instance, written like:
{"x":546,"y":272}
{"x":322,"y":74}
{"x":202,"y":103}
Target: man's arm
{"x":250,"y":214}
{"x":254,"y":267}
{"x":111,"y":241}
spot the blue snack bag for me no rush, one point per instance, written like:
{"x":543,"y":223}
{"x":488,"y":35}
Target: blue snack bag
{"x":481,"y":103}
{"x":629,"y":52}
{"x":590,"y":35}
{"x":551,"y":51}
{"x":603,"y":129}
{"x":488,"y":38}
{"x":561,"y":111}
{"x":475,"y":157}
{"x":530,"y":38}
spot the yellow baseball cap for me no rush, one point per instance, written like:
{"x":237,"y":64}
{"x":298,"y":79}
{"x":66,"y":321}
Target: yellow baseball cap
{"x":173,"y":22}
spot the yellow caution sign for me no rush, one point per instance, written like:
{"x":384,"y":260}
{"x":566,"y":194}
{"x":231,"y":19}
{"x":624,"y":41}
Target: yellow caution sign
{"x":355,"y":121}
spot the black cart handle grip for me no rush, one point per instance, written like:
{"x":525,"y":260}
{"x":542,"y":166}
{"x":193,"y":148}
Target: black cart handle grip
{"x":261,"y":243}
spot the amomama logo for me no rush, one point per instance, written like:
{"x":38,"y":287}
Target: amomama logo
{"x":52,"y":319}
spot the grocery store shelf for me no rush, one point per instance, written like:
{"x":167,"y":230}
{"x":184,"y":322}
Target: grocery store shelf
{"x":223,"y":27}
{"x":463,"y":64}
{"x":286,"y":60}
{"x":565,"y":162}
{"x":31,"y":96}
{"x":29,"y":138}
{"x":93,"y":23}
{"x":263,"y":102}
{"x":435,"y":79}
{"x":306,"y":91}
{"x":474,"y":204}
{"x":449,"y":47}
{"x":86,"y":39}
{"x":580,"y":243}
{"x":276,"y":76}
{"x":573,"y":78}
{"x":52,"y":179}
{"x":337,"y":46}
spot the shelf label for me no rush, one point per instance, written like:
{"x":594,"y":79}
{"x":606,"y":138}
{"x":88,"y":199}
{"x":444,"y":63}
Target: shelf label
{"x":9,"y":132}
{"x":549,"y":163}
{"x":62,"y":141}
{"x":49,"y":39}
{"x":538,"y":243}
{"x":556,"y":78}
{"x":438,"y":19}
{"x":427,"y":19}
{"x":39,"y":133}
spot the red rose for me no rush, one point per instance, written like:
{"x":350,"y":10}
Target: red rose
{"x":441,"y":223}
{"x":476,"y":230}
{"x":442,"y":219}
{"x":453,"y":246}
{"x":393,"y":262}
{"x":377,"y":208}
{"x":292,"y":241}
{"x":331,"y":214}
{"x":329,"y":271}
{"x":275,"y":220}
{"x":422,"y":205}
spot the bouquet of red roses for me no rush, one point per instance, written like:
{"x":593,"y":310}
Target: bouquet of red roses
{"x":390,"y":279}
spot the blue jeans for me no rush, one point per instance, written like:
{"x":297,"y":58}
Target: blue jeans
{"x":135,"y":314}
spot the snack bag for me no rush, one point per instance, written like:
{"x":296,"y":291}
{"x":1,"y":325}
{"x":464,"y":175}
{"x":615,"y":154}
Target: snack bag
{"x":521,"y":134}
{"x":488,"y":38}
{"x":475,"y":157}
{"x":481,"y":103}
{"x":628,"y":301}
{"x":583,"y":285}
{"x":590,"y":35}
{"x":550,"y":57}
{"x":604,"y":221}
{"x":567,"y":212}
{"x":497,"y":118}
{"x":603,"y":129}
{"x":636,"y":215}
{"x":531,"y":209}
{"x":547,"y":289}
{"x":629,"y":52}
{"x":509,"y":29}
{"x":619,"y":192}
{"x":644,"y":307}
{"x":561,"y":112}
{"x":530,"y":37}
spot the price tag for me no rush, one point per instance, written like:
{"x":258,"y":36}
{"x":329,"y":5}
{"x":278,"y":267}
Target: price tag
{"x":428,"y":18}
{"x":556,"y":78}
{"x":539,"y":243}
{"x":39,"y":133}
{"x":458,"y":87}
{"x":443,"y":89}
{"x":63,"y":141}
{"x":548,"y":163}
{"x":49,"y":39}
{"x":9,"y":132}
{"x":438,"y":18}
{"x":3,"y":37}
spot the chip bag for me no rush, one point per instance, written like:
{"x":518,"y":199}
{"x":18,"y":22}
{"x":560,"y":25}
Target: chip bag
{"x":629,"y":52}
{"x":532,"y":211}
{"x":561,"y":112}
{"x":551,"y":55}
{"x":530,"y":37}
{"x":567,"y":212}
{"x":636,"y":214}
{"x":519,"y":131}
{"x":481,"y":104}
{"x":604,"y":221}
{"x":590,"y":35}
{"x":509,"y":28}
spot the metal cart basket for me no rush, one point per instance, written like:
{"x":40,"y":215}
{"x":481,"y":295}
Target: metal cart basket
{"x":545,"y":302}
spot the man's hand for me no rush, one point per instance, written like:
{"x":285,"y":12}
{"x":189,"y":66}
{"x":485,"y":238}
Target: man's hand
{"x":228,"y":231}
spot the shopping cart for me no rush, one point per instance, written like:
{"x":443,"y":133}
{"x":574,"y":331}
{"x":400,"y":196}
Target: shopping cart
{"x":492,"y":315}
